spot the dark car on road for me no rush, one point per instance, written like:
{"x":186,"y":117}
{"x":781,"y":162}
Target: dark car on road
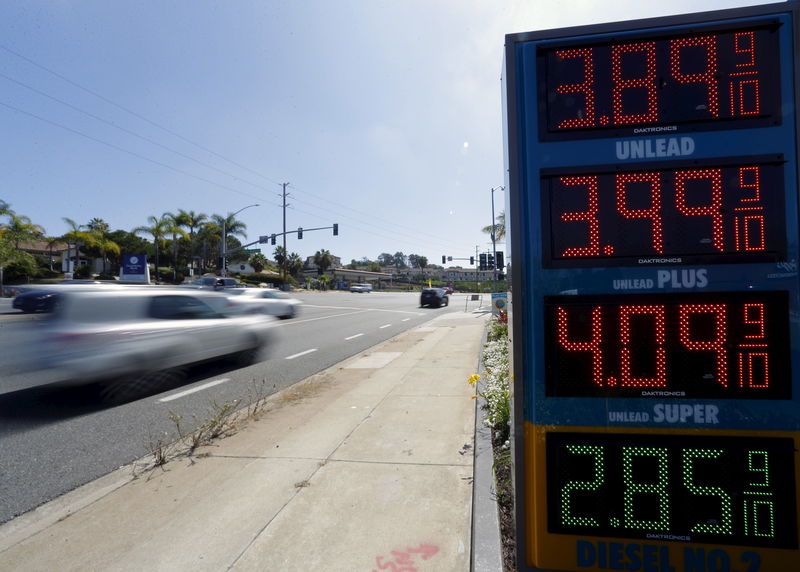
{"x":434,"y":297}
{"x":35,"y":301}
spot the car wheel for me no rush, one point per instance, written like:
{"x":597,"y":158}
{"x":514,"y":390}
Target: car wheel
{"x":126,"y":389}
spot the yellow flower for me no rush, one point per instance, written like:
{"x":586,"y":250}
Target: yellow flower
{"x":473,"y":379}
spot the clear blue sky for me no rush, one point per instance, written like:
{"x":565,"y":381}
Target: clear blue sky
{"x":384,"y":116}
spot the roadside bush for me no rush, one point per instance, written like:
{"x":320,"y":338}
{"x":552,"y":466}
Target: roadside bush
{"x":83,"y":272}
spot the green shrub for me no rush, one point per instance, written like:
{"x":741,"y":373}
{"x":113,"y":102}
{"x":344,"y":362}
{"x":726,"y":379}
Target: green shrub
{"x":83,"y":272}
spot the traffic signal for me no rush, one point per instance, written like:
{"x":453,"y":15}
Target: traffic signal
{"x":299,"y":233}
{"x":482,"y":262}
{"x":444,"y":259}
{"x":336,"y":229}
{"x":272,"y":240}
{"x":471,"y":260}
{"x":490,"y":262}
{"x":499,"y":260}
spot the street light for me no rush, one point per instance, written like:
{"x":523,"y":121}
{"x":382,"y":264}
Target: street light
{"x":494,"y":238}
{"x":225,"y":237}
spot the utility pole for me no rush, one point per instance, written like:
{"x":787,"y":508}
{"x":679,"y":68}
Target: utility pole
{"x":285,"y":252}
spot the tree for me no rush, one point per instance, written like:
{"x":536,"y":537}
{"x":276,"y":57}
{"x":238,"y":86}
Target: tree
{"x":173,"y":224}
{"x":99,"y":241}
{"x":280,"y":259}
{"x":386,"y":259}
{"x":191,"y":220}
{"x":258,"y":261}
{"x":157,"y":231}
{"x":294,"y":264}
{"x":323,"y":260}
{"x":209,"y":234}
{"x":417,"y":261}
{"x":499,"y":228}
{"x":399,"y":260}
{"x":77,"y":236}
{"x":19,"y":228}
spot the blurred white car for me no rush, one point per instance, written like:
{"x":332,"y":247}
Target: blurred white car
{"x":266,"y":301}
{"x":125,"y":332}
{"x":361,"y":288}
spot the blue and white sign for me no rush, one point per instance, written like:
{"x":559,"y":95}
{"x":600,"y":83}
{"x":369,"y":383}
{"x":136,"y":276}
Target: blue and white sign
{"x":134,"y":268}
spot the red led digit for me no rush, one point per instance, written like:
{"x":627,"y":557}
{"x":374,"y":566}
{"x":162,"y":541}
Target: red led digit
{"x":754,"y":315}
{"x":747,"y":375}
{"x":745,"y":43}
{"x":717,"y":345}
{"x":750,"y":178}
{"x":751,"y":237}
{"x":713,"y":210}
{"x":592,"y":346}
{"x":707,"y":77}
{"x":586,"y":88}
{"x":627,"y":380}
{"x":653,"y":212}
{"x":589,"y":215}
{"x":631,"y":86}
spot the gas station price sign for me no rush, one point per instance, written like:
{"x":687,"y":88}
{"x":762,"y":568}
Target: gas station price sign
{"x":730,"y":212}
{"x":654,"y":207}
{"x":712,"y":77}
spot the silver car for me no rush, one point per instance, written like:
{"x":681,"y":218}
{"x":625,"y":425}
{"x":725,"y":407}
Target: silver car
{"x":125,"y":333}
{"x":265,"y":300}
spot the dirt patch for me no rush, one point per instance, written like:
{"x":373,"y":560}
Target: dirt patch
{"x":504,"y":491}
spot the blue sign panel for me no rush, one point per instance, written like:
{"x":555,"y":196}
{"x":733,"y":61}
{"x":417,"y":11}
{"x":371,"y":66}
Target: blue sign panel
{"x":134,"y":264}
{"x":656,"y":313}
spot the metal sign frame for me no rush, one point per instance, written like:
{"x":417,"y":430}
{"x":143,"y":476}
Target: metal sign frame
{"x":537,"y":414}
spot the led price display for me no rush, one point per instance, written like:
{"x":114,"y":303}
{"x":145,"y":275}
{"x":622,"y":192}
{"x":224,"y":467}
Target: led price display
{"x":725,"y":490}
{"x":725,"y":213}
{"x":720,"y":76}
{"x":732,"y":345}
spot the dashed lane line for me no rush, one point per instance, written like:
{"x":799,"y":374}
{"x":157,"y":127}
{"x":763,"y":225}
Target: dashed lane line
{"x":311,"y":351}
{"x":193,"y":390}
{"x":354,"y":337}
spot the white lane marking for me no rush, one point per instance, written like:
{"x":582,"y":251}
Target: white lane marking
{"x":311,"y":351}
{"x":354,"y":337}
{"x":384,"y":326}
{"x":194,"y":390}
{"x":296,"y":321}
{"x":405,"y":319}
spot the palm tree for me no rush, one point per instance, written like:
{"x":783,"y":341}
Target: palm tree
{"x":210,"y":234}
{"x":323,"y":260}
{"x":173,"y":224}
{"x":294,"y":264}
{"x":157,"y":231}
{"x":19,"y":228}
{"x":77,"y":236}
{"x":280,"y":259}
{"x":258,"y":261}
{"x":98,"y":229}
{"x":192,"y":220}
{"x":498,"y":228}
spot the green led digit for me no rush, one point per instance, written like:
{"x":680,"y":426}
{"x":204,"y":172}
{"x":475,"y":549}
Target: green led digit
{"x":567,"y":518}
{"x":756,"y":466}
{"x":633,"y":489}
{"x":759,"y":513}
{"x":725,"y":523}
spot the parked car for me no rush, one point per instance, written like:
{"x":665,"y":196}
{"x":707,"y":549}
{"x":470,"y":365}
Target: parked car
{"x":126,"y":334}
{"x":216,"y":283}
{"x":434,"y":297}
{"x":360,"y":288}
{"x":266,"y":301}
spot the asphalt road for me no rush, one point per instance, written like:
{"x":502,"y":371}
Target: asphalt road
{"x":53,"y":440}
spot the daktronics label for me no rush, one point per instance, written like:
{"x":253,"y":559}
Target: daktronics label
{"x":728,"y":78}
{"x":721,"y":490}
{"x":732,"y":345}
{"x":732,"y":211}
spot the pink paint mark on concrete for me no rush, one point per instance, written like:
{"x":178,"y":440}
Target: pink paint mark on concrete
{"x":404,"y":561}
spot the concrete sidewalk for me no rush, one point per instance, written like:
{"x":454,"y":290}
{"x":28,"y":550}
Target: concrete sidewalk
{"x":365,"y":466}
